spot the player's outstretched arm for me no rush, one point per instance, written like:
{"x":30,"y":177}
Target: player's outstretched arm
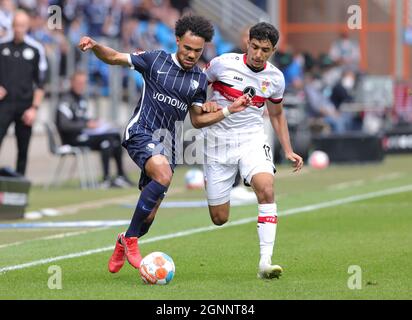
{"x":280,"y":124}
{"x":106,"y":54}
{"x":210,"y":113}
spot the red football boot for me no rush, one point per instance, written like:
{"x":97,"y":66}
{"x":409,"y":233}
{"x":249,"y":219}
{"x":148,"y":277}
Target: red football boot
{"x":118,"y":257}
{"x":132,"y":250}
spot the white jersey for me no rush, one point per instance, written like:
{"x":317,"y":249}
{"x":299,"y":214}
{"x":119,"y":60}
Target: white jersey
{"x":231,"y":78}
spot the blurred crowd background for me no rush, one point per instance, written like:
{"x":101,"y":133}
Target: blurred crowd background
{"x":331,"y":89}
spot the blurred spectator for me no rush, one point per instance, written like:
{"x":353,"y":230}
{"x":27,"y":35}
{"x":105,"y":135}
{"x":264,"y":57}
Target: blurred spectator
{"x":153,"y":35}
{"x":28,"y":5}
{"x":180,"y":4}
{"x":320,"y":109}
{"x":77,"y":128}
{"x":331,"y":72}
{"x":7,"y":9}
{"x":343,"y":92}
{"x":164,"y":11}
{"x":54,"y":42}
{"x":126,"y":24}
{"x":222,"y":46}
{"x":76,"y":30}
{"x":113,"y":23}
{"x":41,"y":9}
{"x":96,"y":12}
{"x":262,"y":4}
{"x":243,"y":41}
{"x":310,"y":62}
{"x":292,"y":65}
{"x":345,"y":52}
{"x":22,"y":76}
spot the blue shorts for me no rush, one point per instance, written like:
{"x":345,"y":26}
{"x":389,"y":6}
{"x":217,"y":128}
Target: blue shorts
{"x":141,"y":148}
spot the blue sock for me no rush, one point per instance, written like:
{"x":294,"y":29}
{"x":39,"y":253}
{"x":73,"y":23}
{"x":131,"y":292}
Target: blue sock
{"x":147,"y":201}
{"x":144,"y":228}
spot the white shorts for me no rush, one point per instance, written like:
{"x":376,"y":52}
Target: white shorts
{"x":250,"y":157}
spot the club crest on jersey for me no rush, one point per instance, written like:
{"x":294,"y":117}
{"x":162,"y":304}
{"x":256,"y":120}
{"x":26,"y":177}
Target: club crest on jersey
{"x":265,"y":85}
{"x":150,"y":146}
{"x":194,"y":84}
{"x":6,"y":52}
{"x":28,"y":54}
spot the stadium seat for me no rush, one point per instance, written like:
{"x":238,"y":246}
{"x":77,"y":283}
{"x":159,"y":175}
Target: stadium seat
{"x":80,"y":154}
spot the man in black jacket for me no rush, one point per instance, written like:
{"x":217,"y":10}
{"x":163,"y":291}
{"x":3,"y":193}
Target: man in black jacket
{"x":23,"y":69}
{"x":76,"y":128}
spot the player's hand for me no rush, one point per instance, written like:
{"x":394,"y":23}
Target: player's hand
{"x":296,"y":159}
{"x":86,"y":43}
{"x":3,"y":93}
{"x":240,"y":104}
{"x":29,"y":116}
{"x":211,"y":106}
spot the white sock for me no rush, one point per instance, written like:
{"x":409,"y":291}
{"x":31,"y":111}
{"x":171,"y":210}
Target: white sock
{"x":267,"y":223}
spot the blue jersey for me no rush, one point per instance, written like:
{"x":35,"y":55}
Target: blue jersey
{"x":168,"y":93}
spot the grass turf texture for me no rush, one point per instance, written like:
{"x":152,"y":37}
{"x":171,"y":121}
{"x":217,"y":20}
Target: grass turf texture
{"x":315,"y":248}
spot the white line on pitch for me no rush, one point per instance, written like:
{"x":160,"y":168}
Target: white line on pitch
{"x":346,"y":185}
{"x":51,"y":237}
{"x":307,"y":208}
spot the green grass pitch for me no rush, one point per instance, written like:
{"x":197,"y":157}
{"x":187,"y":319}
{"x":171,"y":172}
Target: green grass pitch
{"x":315,"y":247}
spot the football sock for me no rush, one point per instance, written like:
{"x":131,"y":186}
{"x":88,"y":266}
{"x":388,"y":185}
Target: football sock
{"x":144,"y":228}
{"x":147,"y":201}
{"x":267,"y":223}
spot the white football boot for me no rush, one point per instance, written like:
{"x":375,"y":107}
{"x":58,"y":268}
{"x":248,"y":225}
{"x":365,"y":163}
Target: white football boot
{"x":267,"y":270}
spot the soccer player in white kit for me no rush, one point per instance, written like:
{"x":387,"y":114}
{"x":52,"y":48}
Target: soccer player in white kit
{"x":238,"y":141}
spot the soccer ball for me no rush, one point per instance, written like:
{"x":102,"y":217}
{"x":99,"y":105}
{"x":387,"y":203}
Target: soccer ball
{"x":194,"y":179}
{"x":157,"y":268}
{"x":319,"y":160}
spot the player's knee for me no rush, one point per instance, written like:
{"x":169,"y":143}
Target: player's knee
{"x":219,"y":216}
{"x":265,"y":194}
{"x":164,"y":177}
{"x":219,"y":221}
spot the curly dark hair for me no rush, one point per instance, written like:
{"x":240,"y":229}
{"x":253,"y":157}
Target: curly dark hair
{"x":198,"y":25}
{"x":264,"y":31}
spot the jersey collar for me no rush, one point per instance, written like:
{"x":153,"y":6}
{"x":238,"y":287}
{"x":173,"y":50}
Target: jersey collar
{"x":245,"y":62}
{"x":174,"y":58}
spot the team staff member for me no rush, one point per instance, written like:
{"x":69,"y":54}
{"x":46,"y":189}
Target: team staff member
{"x":76,"y":128}
{"x":23,"y":69}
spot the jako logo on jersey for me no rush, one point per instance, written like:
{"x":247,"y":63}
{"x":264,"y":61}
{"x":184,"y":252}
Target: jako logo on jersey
{"x":238,"y":78}
{"x":170,"y":101}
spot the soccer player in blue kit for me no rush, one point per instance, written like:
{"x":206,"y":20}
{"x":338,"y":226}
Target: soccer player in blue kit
{"x":173,"y":86}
